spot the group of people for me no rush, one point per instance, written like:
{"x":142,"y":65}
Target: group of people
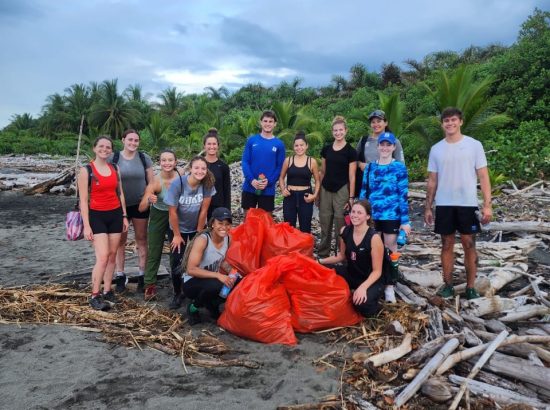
{"x":368,"y":182}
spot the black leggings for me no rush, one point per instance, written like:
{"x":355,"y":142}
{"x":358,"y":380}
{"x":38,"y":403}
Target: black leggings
{"x":204,"y":292}
{"x":176,"y":257}
{"x":372,"y":306}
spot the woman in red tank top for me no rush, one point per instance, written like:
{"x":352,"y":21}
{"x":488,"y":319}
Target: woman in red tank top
{"x":104,"y":215}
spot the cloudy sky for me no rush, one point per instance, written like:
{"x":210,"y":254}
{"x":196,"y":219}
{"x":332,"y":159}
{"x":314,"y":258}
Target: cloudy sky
{"x":47,"y":45}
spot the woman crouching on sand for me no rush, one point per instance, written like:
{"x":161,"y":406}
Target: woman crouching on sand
{"x":188,"y":199}
{"x":104,"y":215}
{"x":363,"y":250}
{"x":158,"y":225}
{"x":203,"y":280}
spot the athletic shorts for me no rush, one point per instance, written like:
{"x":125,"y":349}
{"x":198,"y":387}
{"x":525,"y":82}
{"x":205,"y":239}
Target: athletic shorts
{"x":449,"y":219}
{"x":265,"y":202}
{"x":387,"y":226}
{"x":133,"y":212}
{"x":106,"y":221}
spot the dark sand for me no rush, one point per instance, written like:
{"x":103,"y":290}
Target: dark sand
{"x":59,"y":367}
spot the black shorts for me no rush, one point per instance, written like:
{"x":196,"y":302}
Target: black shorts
{"x":387,"y":226}
{"x":265,"y":202}
{"x":133,"y":212}
{"x":106,"y":221}
{"x":449,"y":219}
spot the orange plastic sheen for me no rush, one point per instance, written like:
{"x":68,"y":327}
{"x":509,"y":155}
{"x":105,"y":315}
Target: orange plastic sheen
{"x":259,"y":309}
{"x":292,"y":292}
{"x":247,"y":241}
{"x":281,"y":239}
{"x":395,"y":256}
{"x":319,"y":298}
{"x":258,"y":239}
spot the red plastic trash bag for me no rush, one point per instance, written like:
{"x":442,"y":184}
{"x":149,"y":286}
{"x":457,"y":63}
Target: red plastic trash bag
{"x":281,"y":239}
{"x":247,"y":241}
{"x":319,"y":298}
{"x":259,"y":309}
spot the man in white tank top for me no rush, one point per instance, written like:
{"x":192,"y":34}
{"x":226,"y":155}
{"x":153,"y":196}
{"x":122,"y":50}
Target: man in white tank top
{"x":454,"y":166}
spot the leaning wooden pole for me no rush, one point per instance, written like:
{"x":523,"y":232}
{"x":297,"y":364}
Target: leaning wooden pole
{"x":78,"y":145}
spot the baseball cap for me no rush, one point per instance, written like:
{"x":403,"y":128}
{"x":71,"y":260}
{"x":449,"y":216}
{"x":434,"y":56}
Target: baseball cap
{"x":388,"y":137}
{"x":222,"y":214}
{"x":377,"y":114}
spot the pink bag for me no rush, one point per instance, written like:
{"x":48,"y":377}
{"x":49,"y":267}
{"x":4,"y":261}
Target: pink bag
{"x":74,"y":225}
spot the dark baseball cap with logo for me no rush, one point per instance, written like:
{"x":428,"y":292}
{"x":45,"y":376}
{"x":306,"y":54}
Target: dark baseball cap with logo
{"x":222,"y":214}
{"x":377,"y":114}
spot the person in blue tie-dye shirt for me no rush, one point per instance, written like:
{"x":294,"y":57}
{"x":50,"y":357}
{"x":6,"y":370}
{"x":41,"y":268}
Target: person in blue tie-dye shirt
{"x":385,"y":185}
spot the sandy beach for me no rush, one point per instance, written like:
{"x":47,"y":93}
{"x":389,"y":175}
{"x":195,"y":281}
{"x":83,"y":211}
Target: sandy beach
{"x":60,"y":367}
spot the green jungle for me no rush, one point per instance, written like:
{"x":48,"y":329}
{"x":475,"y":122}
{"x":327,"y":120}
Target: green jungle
{"x":504,"y":93}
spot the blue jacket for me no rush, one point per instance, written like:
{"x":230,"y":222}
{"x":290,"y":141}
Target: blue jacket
{"x":262,"y":156}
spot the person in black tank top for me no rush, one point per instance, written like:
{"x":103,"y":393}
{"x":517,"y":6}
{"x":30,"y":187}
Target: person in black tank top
{"x":363,"y":250}
{"x":298,"y":194}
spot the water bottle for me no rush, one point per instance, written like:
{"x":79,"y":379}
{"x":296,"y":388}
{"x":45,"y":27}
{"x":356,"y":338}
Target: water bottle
{"x":402,"y":238}
{"x":261,"y":177}
{"x":394,"y":256}
{"x":226,"y":289}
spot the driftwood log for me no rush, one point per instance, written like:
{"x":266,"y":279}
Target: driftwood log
{"x":63,"y":178}
{"x":466,"y":354}
{"x":392,"y":354}
{"x":498,"y":394}
{"x":519,"y":226}
{"x":477,"y":367}
{"x":426,"y":372}
{"x":519,"y":369}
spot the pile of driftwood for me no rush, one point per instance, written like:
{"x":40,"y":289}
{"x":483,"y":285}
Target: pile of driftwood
{"x":129,"y":324}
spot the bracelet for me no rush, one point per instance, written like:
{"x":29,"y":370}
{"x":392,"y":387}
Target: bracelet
{"x":125,"y":216}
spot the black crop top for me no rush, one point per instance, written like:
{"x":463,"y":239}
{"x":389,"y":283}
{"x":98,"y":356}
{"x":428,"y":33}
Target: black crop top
{"x":299,"y":176}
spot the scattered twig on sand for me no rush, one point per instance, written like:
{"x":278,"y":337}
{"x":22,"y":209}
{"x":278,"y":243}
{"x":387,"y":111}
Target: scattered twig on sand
{"x":145,"y":324}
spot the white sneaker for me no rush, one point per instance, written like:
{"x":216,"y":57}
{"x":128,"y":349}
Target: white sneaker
{"x":389,"y":294}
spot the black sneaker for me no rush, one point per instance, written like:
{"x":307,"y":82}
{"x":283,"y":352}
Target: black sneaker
{"x":110,"y":297}
{"x":121,"y":281}
{"x":97,"y":303}
{"x":176,"y":302}
{"x":140,"y":284}
{"x":193,"y":317}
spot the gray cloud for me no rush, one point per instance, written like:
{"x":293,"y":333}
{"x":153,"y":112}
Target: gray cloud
{"x":46,"y":45}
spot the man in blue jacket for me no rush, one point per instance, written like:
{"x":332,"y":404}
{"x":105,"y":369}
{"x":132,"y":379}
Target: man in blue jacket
{"x":262,"y":161}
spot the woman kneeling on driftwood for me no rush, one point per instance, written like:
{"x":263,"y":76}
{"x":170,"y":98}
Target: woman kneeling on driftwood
{"x":362,"y":248}
{"x":104,"y":217}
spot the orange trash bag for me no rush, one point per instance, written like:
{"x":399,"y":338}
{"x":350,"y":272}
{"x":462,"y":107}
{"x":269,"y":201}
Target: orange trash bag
{"x":259,"y":309}
{"x":319,"y":298}
{"x":247,"y":241}
{"x":281,"y":239}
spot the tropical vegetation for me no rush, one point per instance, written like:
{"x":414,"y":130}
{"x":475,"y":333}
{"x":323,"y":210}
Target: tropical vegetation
{"x":503,"y":92}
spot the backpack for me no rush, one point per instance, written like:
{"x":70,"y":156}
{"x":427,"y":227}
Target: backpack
{"x":185,"y":258}
{"x":387,"y":271}
{"x":116,"y":158}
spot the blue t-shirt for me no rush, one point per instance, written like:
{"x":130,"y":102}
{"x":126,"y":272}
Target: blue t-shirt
{"x":188,"y":201}
{"x":262,"y":156}
{"x":389,"y":188}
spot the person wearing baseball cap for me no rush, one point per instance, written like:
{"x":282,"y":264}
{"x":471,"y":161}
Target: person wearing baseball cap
{"x":207,"y":272}
{"x":367,"y":148}
{"x":386,"y":185}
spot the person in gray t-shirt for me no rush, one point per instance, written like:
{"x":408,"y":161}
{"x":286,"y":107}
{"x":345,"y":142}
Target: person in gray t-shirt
{"x":187,"y":212}
{"x":367,"y":147}
{"x":134,"y":173}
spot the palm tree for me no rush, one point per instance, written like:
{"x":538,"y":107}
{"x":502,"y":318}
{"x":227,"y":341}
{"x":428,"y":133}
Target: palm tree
{"x":112,"y":114}
{"x":159,"y":133}
{"x":171,"y":101}
{"x":20,"y":122}
{"x":290,"y":120}
{"x":461,"y":90}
